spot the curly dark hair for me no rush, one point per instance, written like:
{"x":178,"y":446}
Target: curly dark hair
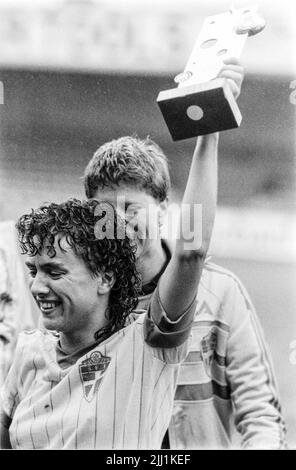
{"x":97,"y":234}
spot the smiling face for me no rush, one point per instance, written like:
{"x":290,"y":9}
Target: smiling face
{"x":64,"y":290}
{"x":142,"y":212}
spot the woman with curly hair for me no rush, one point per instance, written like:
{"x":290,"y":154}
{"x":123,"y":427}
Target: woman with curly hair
{"x":102,"y":375}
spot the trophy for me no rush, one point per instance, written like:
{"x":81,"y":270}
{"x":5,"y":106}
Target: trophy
{"x":203,"y":104}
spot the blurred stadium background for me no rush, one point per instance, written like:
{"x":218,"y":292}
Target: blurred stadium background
{"x":77,"y":73}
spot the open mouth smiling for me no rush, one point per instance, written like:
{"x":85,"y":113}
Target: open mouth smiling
{"x":47,"y":306}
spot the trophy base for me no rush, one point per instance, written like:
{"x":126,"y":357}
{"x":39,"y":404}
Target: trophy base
{"x":200,"y":109}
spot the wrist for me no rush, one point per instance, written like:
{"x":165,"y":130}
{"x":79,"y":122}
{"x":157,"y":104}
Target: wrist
{"x":210,"y":137}
{"x":207,"y":143}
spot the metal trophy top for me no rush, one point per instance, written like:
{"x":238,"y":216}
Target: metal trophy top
{"x":223,"y":35}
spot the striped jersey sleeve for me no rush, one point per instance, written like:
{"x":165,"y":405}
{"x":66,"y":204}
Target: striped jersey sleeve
{"x":9,"y":392}
{"x":160,"y":331}
{"x":169,"y":339}
{"x":250,"y":373}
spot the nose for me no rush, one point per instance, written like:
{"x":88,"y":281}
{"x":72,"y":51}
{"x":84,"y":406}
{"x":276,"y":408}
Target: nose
{"x":39,"y":286}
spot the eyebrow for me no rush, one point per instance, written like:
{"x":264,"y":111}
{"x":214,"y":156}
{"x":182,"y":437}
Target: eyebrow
{"x":29,"y":265}
{"x":50,"y":265}
{"x":131,"y":203}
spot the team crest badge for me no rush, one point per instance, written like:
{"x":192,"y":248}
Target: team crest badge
{"x":208,"y":346}
{"x":92,"y":371}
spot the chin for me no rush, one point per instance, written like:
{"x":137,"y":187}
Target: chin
{"x":52,"y":325}
{"x":142,"y":243}
{"x":140,"y":250}
{"x":145,"y":245}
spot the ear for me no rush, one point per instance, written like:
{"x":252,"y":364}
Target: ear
{"x":105,"y":283}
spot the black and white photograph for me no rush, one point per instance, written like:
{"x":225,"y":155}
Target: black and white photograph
{"x":147,"y":227}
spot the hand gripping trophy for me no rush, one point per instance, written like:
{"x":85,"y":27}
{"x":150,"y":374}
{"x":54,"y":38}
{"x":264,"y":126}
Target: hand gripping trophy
{"x":203,"y":104}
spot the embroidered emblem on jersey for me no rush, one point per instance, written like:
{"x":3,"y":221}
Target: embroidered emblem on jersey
{"x":207,"y":349}
{"x":91,"y":372}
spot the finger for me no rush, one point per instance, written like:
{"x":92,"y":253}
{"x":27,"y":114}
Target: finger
{"x":236,"y":68}
{"x":232,"y":60}
{"x":236,"y":76}
{"x":234,"y":81}
{"x":234,"y":85}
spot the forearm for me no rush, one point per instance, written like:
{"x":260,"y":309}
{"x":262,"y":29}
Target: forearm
{"x":179,"y":283}
{"x":200,"y":192}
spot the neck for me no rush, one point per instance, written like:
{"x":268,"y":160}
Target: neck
{"x":150,"y":263}
{"x":71,"y":342}
{"x":84,"y":333}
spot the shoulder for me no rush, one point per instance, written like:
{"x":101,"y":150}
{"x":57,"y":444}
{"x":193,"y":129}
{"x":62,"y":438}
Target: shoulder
{"x":221,"y":294}
{"x":34,"y":341}
{"x":38,"y":333}
{"x":220,"y":279}
{"x":215,"y":270}
{"x":32,"y":349}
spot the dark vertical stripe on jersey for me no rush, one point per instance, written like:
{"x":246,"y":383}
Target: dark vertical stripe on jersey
{"x":123,"y":435}
{"x":155,"y":385}
{"x":31,"y":426}
{"x":160,"y":406}
{"x":165,"y":427}
{"x":66,"y":409}
{"x":51,"y":408}
{"x":96,"y":412}
{"x":77,"y":422}
{"x":114,"y":406}
{"x":96,"y":420}
{"x":21,"y":382}
{"x":16,"y":428}
{"x":21,"y":376}
{"x":141,"y":395}
{"x":134,"y":341}
{"x":14,"y":406}
{"x":30,"y":403}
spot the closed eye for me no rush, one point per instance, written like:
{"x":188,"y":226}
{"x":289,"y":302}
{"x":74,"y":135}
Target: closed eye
{"x":32,"y":272}
{"x":55,"y":274}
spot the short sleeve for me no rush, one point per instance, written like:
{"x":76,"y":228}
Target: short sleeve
{"x":160,"y":331}
{"x":9,"y":392}
{"x":168,"y":340}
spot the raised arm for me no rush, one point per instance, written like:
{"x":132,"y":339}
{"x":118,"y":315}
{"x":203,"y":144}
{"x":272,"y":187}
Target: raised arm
{"x":179,"y":283}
